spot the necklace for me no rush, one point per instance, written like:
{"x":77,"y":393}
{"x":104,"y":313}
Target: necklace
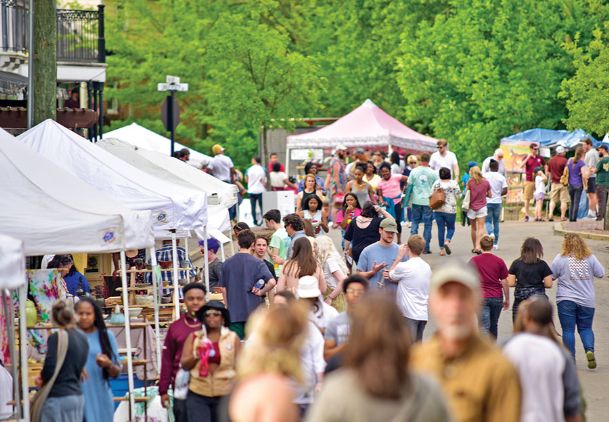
{"x":196,"y":325}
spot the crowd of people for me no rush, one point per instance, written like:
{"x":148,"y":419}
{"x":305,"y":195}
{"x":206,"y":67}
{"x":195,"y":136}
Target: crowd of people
{"x":309,"y":329}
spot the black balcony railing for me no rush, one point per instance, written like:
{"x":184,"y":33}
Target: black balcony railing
{"x":80,"y":33}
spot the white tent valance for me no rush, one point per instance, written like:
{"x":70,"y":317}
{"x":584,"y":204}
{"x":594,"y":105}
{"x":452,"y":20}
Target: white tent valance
{"x":172,"y":206}
{"x":12,"y":263}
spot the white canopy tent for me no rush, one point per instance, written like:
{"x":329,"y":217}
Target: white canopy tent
{"x":367,"y":126}
{"x":173,"y":207}
{"x":52,"y":211}
{"x":141,"y":137}
{"x":221,"y":195}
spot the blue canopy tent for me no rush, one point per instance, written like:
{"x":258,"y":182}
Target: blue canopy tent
{"x":548,"y":138}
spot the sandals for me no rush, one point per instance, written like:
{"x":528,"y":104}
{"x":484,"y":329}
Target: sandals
{"x":476,"y":251}
{"x":447,"y":249}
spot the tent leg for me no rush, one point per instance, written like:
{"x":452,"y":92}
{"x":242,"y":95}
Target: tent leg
{"x":23,"y":345}
{"x":156,"y":300}
{"x":287,"y":161}
{"x":188,"y":256}
{"x":176,"y":296}
{"x":127,"y":334}
{"x":8,"y":313}
{"x":206,"y":260}
{"x":222,"y":254}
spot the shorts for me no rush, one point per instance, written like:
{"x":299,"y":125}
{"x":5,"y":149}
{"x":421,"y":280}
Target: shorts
{"x":559,"y":192}
{"x":529,"y":188}
{"x":591,"y":185}
{"x":539,"y":196}
{"x":481,"y":213}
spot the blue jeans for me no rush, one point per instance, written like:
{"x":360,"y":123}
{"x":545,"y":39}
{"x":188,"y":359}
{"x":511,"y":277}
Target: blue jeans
{"x":489,"y":314}
{"x":492,"y":220}
{"x":255,"y":197}
{"x":571,"y":314}
{"x":575,"y":194}
{"x":422,"y":214}
{"x":446,"y":225}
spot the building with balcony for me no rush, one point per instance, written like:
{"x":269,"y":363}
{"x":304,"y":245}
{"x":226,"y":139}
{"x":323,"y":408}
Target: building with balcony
{"x":81,"y":65}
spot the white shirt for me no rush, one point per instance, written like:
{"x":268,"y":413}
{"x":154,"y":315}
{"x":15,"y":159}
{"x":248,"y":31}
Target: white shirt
{"x":278,"y":179}
{"x":540,"y":365}
{"x":312,"y":363}
{"x":220,"y":167}
{"x":498,"y":183}
{"x":256,"y":177}
{"x":540,"y":185}
{"x":414,"y":278}
{"x":449,"y":160}
{"x":591,"y":158}
{"x":323,"y":316}
{"x":332,"y":265}
{"x":486,"y":165}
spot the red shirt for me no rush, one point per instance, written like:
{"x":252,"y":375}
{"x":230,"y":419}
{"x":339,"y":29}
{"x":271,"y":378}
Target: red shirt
{"x":557,"y":167}
{"x":478,"y":193}
{"x":531,"y":164}
{"x":492,"y":270}
{"x":177,"y":334}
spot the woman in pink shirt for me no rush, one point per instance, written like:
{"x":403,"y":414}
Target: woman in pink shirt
{"x":479,"y":189}
{"x":389,"y":192}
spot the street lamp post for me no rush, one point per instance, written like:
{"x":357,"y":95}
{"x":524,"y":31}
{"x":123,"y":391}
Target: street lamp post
{"x":170,"y":112}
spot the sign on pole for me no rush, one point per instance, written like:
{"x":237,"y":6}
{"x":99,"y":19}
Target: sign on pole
{"x":170,"y":112}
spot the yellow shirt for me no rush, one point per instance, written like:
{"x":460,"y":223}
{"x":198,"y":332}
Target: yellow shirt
{"x":374,"y":181}
{"x":480,"y":383}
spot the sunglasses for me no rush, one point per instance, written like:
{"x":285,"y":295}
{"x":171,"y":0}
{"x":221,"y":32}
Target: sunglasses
{"x":213,"y":313}
{"x":440,"y":146}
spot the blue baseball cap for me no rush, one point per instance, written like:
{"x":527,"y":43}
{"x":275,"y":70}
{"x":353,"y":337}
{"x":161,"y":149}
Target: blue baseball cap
{"x":212,"y":244}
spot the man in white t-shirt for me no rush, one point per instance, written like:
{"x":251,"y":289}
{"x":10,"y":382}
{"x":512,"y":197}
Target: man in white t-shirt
{"x":493,"y":204}
{"x":221,"y":166}
{"x":413,"y":278}
{"x":444,"y":158}
{"x":255,"y":177}
{"x":498,"y":156}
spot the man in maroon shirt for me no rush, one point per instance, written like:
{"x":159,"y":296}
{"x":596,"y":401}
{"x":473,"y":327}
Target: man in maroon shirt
{"x":194,"y":299}
{"x":273,"y":158}
{"x":493,"y":282}
{"x":559,"y":192}
{"x":530,"y":163}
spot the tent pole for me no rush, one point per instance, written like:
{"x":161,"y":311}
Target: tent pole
{"x":188,"y":256}
{"x":176,"y":296}
{"x":206,"y":260}
{"x":127,"y":333}
{"x":287,"y":161}
{"x":156,"y":301}
{"x":9,"y":315}
{"x":23,"y":345}
{"x":222,"y":252}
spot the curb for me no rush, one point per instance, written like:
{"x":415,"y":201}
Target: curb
{"x":560,"y":231}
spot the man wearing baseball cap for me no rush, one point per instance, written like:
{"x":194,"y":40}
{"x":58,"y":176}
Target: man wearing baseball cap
{"x":380,"y":256}
{"x":478,"y":381}
{"x":221,"y":166}
{"x":602,"y":181}
{"x":558,"y":192}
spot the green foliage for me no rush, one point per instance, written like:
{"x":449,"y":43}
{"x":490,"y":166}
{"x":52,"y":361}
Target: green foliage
{"x":470,"y":71}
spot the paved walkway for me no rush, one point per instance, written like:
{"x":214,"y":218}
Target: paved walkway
{"x":595,"y":383}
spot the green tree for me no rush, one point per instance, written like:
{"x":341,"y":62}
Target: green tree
{"x":586,"y":92}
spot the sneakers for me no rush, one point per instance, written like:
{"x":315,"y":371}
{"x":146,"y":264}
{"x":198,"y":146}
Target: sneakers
{"x":591,"y":359}
{"x":496,"y":246}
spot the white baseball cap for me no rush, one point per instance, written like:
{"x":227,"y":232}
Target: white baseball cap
{"x":457,"y":272}
{"x":560,"y":150}
{"x":308,"y":286}
{"x":341,"y":147}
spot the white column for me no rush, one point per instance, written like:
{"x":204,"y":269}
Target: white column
{"x":156,"y":301}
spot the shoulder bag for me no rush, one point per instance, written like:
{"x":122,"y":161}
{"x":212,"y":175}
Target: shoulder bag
{"x":564,"y":179}
{"x":466,"y":200}
{"x":43,"y":393}
{"x":437,"y":198}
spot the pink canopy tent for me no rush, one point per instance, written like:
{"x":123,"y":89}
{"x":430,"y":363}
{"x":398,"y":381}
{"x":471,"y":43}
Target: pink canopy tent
{"x":367,"y":126}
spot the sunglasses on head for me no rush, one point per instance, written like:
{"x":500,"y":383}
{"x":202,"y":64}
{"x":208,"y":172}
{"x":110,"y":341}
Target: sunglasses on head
{"x":213,"y":313}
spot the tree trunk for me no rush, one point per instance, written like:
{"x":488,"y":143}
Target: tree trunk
{"x":44,"y":59}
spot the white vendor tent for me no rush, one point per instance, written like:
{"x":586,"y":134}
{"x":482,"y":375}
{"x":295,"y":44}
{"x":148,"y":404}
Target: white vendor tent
{"x":367,"y":126}
{"x":172,"y":206}
{"x":220,"y":195}
{"x":141,"y":137}
{"x":52,"y":211}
